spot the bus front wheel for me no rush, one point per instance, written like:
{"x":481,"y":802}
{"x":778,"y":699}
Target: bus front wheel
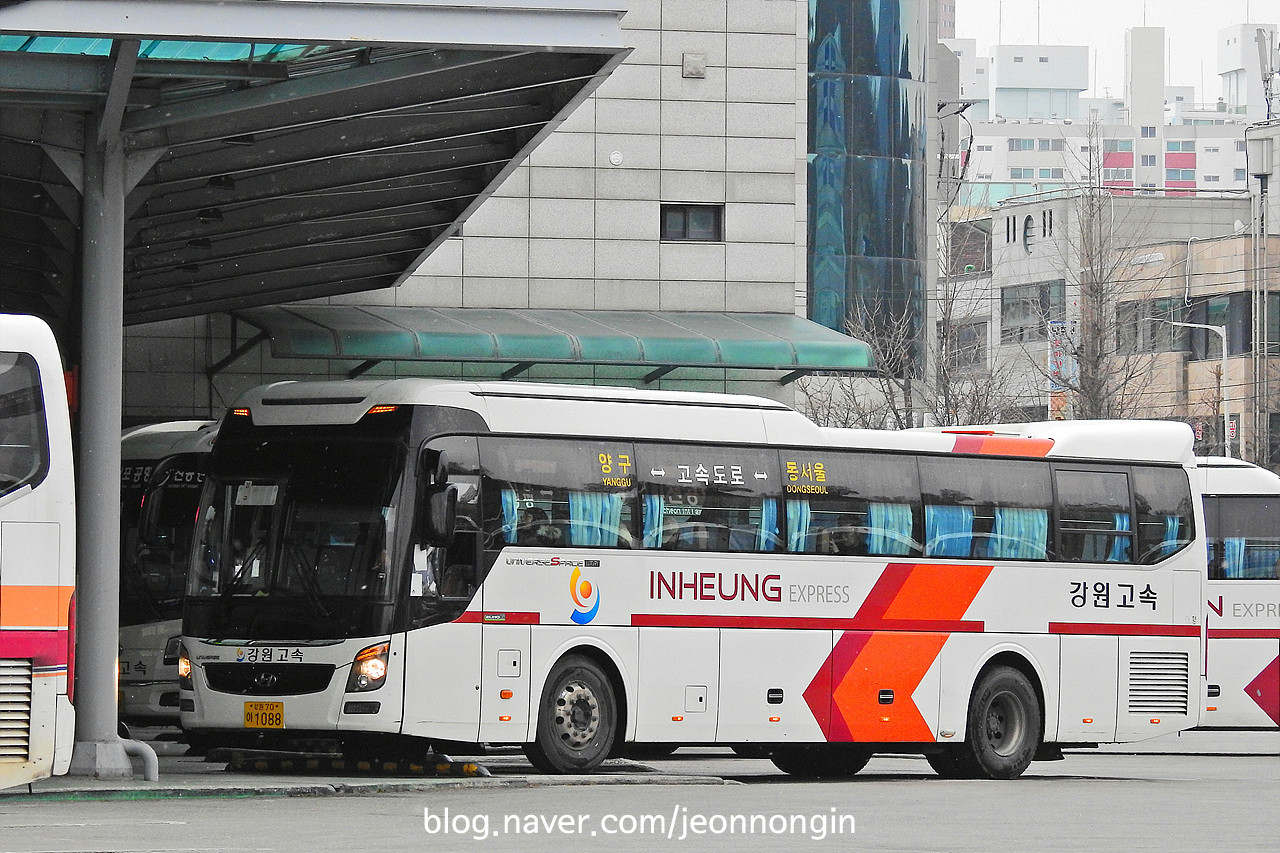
{"x":1004,"y":723}
{"x":577,"y":718}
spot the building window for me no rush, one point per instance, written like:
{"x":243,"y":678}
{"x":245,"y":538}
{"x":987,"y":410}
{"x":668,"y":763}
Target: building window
{"x":1142,"y":326}
{"x":1055,"y":174}
{"x":1050,"y":144}
{"x":1149,"y":160}
{"x":1240,"y":175}
{"x":1044,"y":59}
{"x":697,"y":222}
{"x":980,"y":71}
{"x":1019,"y":174}
{"x":1148,"y":132}
{"x":1017,"y":59}
{"x":1026,"y":310}
{"x":1179,"y":174}
{"x":1016,"y":144}
{"x":1231,"y":310}
{"x":1117,"y":174}
{"x":1211,"y":179}
{"x":1239,"y":145}
{"x":982,"y":148}
{"x":1117,"y":146}
{"x":1180,"y":146}
{"x":966,"y":344}
{"x":1211,"y":150}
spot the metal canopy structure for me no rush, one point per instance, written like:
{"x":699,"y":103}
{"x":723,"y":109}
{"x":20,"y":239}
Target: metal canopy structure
{"x":656,"y":342}
{"x":168,"y":158}
{"x":292,"y":149}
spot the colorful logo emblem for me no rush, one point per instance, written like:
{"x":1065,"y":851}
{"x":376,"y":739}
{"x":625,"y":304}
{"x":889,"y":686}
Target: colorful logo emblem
{"x":586,"y":598}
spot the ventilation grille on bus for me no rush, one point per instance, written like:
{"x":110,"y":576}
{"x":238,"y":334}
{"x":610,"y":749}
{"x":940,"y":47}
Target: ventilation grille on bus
{"x":15,"y":710}
{"x":1159,"y":683}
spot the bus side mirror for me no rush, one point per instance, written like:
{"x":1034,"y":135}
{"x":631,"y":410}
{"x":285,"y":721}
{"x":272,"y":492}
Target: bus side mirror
{"x":437,"y":500}
{"x":440,"y":516}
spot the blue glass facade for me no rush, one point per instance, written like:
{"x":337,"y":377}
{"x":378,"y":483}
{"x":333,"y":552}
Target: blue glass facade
{"x":867,"y":168}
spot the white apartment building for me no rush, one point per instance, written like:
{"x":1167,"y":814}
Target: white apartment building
{"x":1031,"y":131}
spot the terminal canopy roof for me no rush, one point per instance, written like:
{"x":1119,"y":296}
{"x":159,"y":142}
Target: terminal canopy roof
{"x":277,"y":150}
{"x":516,"y":339}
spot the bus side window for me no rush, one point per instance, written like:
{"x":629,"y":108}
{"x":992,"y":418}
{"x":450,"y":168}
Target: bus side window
{"x":851,"y":503}
{"x":551,"y":493}
{"x":1163,"y":498}
{"x":986,"y":509}
{"x":1095,"y":516}
{"x":24,"y":446}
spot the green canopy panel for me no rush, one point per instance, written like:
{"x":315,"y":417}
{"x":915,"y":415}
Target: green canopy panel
{"x":659,"y":340}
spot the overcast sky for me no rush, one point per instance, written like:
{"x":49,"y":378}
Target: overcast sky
{"x":1191,"y":27}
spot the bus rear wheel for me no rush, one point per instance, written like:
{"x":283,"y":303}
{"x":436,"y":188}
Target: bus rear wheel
{"x":820,"y":760}
{"x":577,"y":718}
{"x":1005,"y":724}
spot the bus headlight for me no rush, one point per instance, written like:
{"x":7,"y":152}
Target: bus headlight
{"x":184,"y":668}
{"x":369,"y":671}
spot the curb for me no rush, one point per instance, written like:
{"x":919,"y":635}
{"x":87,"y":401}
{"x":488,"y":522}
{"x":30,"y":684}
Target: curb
{"x":348,"y":788}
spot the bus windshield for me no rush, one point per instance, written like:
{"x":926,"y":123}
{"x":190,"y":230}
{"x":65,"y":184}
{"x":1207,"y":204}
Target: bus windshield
{"x":302,"y":551}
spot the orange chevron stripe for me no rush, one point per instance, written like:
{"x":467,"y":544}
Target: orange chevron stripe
{"x":938,"y":592}
{"x":844,"y":694}
{"x":34,"y":606}
{"x":888,"y":661}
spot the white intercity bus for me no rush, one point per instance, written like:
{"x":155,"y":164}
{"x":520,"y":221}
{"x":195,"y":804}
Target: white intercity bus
{"x":575,"y":569}
{"x":1242,"y":659}
{"x":37,"y":556}
{"x":161,"y":473}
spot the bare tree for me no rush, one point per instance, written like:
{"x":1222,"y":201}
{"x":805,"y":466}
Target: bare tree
{"x":1097,"y":366}
{"x":947,"y":379}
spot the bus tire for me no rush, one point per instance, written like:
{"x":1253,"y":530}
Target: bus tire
{"x":820,"y":760}
{"x":577,"y":718}
{"x":1004,"y":725}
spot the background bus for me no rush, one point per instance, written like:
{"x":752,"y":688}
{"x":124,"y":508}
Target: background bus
{"x":1242,"y":520}
{"x":655,"y":568}
{"x":161,"y":471}
{"x":37,"y":556}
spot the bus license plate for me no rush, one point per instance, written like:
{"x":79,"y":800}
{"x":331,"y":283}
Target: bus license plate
{"x":264,"y":715}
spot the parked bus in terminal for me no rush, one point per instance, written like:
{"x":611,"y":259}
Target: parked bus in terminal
{"x":161,"y":472}
{"x":573,"y":569}
{"x":37,"y":556}
{"x":1242,"y":523}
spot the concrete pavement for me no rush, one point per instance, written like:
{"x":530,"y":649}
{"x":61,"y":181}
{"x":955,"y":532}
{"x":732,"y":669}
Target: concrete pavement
{"x":183,"y":776}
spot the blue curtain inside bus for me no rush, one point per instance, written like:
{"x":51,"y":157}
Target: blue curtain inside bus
{"x":767,"y":535}
{"x":948,"y":531}
{"x":1233,"y":554}
{"x":798,"y":517}
{"x":889,"y":529}
{"x":653,"y":509}
{"x":1172,"y":527}
{"x":1020,"y":534}
{"x":1120,"y":544}
{"x":594,"y":518}
{"x":510,"y":515}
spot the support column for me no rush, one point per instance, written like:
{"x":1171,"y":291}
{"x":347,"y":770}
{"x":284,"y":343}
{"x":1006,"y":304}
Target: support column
{"x":99,"y":751}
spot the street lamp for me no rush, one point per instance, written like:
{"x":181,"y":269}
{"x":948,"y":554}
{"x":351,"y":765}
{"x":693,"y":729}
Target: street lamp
{"x":1220,"y":331}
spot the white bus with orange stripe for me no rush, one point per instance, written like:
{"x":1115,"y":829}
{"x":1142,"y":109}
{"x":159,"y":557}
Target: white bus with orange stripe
{"x":579,"y":569}
{"x":37,"y":555}
{"x":1242,"y":619}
